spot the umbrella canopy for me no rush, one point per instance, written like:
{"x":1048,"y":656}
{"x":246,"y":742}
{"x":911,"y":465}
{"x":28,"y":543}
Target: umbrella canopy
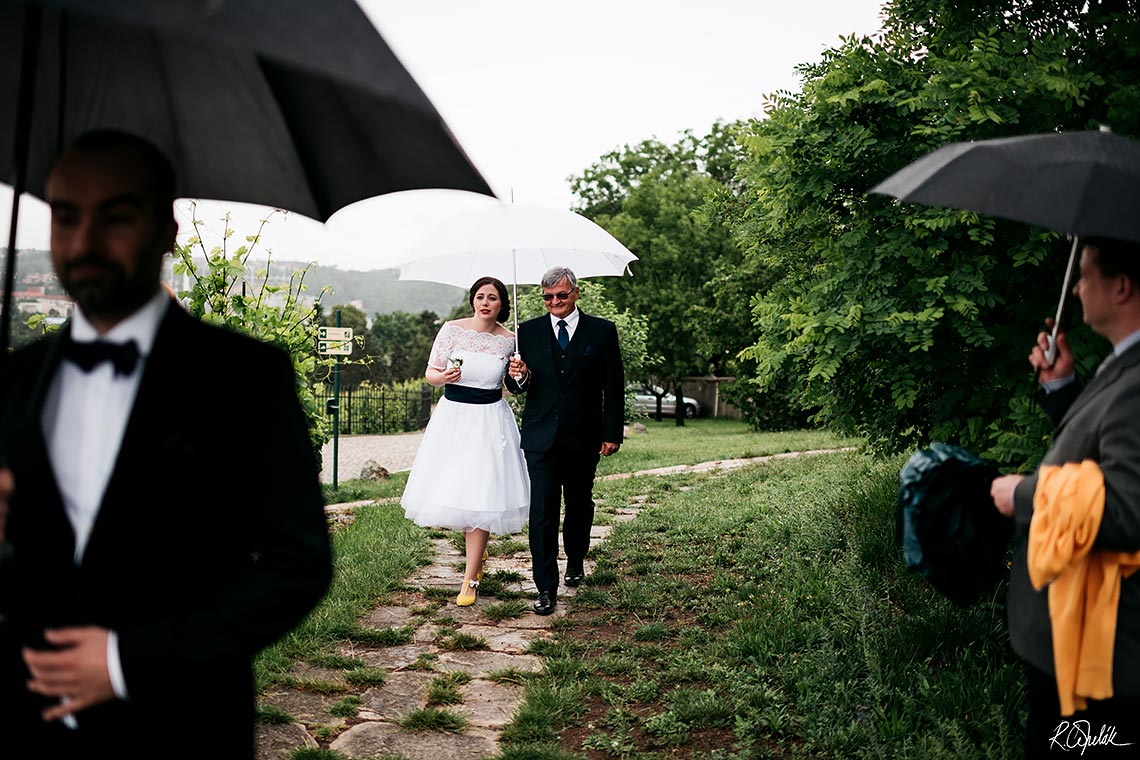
{"x":515,"y":243}
{"x":1080,"y":183}
{"x":295,"y":105}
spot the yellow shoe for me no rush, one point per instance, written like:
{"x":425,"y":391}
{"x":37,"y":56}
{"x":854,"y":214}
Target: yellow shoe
{"x":482,"y":562}
{"x":467,"y":595}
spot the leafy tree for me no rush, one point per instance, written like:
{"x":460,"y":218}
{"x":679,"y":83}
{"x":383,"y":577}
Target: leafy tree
{"x":401,"y":343}
{"x":654,"y":198}
{"x":900,"y":322}
{"x":220,"y":293}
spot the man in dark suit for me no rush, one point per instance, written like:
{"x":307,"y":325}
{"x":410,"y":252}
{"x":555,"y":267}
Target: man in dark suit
{"x":571,"y":372}
{"x":146,"y":572}
{"x":1097,"y":423}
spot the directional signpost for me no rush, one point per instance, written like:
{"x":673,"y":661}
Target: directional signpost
{"x":335,"y":341}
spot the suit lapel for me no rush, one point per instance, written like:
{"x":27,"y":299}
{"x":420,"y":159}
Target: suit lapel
{"x":541,"y":346}
{"x":33,"y":457}
{"x":34,"y":464}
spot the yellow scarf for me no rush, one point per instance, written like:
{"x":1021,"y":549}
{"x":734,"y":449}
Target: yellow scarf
{"x":1084,"y":584}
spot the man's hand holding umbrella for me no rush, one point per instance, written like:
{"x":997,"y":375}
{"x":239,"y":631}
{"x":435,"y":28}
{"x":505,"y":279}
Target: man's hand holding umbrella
{"x":1063,"y":367}
{"x":1061,"y":372}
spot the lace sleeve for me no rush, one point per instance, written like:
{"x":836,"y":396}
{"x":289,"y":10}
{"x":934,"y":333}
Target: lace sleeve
{"x":441,"y":349}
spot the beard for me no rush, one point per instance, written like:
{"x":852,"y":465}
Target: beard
{"x":105,"y":290}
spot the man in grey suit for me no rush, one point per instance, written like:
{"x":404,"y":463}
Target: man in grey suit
{"x":1098,"y":422}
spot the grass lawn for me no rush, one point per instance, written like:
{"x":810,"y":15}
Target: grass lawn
{"x":765,"y":612}
{"x":661,"y":445}
{"x":704,"y":440}
{"x":759,"y":612}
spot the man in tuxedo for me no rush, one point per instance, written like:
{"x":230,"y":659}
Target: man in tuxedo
{"x":1097,"y":423}
{"x":146,"y":571}
{"x":571,"y":371}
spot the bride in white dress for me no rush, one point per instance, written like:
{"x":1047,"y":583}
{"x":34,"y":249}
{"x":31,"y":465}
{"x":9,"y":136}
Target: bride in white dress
{"x":469,"y":473}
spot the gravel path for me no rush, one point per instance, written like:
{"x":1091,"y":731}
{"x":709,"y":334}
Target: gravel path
{"x":394,"y":453}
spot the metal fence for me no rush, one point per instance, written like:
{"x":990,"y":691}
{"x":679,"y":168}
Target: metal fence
{"x":380,"y":410}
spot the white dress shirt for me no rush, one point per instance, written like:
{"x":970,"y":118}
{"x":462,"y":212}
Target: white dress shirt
{"x":84,"y":416}
{"x":571,"y":323}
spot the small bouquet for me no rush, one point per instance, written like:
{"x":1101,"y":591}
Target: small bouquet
{"x":456,"y":362}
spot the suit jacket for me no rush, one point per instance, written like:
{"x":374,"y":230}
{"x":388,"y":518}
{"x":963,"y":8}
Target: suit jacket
{"x":585,"y":405}
{"x":210,"y":542}
{"x":1097,"y":423}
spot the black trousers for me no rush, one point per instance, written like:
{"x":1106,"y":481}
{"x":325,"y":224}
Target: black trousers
{"x":1108,"y":729}
{"x":562,"y":472}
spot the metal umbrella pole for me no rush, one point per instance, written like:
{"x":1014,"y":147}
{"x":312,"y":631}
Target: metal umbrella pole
{"x":515,"y":301}
{"x":1051,"y":352}
{"x":19,"y":162}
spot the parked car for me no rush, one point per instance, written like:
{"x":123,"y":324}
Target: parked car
{"x":645,"y":401}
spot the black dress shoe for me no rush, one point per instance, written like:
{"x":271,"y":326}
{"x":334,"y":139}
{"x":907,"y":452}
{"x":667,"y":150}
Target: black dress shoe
{"x":546,"y":602}
{"x":574,"y":575}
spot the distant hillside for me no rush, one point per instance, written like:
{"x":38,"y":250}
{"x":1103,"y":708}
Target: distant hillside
{"x":380,"y":290}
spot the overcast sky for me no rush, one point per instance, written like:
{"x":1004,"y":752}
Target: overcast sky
{"x":536,"y":92}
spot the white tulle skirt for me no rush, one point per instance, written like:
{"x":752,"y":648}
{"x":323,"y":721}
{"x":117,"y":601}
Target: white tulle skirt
{"x":469,"y":471}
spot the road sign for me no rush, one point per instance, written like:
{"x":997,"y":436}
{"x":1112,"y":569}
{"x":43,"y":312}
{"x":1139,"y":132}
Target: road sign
{"x":339,"y":347}
{"x":334,"y":333}
{"x":334,"y":340}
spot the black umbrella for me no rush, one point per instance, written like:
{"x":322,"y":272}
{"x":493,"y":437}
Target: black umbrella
{"x":286,"y":103}
{"x":1080,"y":183}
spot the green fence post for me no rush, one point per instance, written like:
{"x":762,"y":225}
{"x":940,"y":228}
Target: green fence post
{"x":336,"y":410}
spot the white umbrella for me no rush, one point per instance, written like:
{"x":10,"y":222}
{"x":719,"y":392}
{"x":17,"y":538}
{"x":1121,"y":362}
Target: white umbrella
{"x":516,"y":244}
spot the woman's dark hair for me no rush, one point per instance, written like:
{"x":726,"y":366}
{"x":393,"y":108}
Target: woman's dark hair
{"x":504,"y":298}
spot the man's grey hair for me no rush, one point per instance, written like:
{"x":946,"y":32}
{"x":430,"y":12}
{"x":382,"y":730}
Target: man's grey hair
{"x":554,"y":275}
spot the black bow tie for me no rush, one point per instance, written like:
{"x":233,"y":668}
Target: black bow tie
{"x":124,"y":356}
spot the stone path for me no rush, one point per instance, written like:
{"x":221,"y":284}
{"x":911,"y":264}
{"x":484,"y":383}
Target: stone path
{"x":394,"y":453}
{"x":488,"y":697}
{"x":364,"y":720}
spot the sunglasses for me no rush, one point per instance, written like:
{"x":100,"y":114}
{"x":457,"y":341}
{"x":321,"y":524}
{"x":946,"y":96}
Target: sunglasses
{"x":560,"y":296}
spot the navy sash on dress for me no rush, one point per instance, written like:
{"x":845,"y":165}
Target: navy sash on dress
{"x":467,"y":395}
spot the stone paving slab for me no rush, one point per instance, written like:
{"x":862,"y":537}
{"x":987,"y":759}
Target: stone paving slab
{"x":368,"y":740}
{"x":488,"y":704}
{"x":392,"y":616}
{"x":280,"y":741}
{"x":510,"y":640}
{"x":481,"y":664}
{"x":306,"y":707}
{"x":401,"y":693}
{"x":394,"y":658}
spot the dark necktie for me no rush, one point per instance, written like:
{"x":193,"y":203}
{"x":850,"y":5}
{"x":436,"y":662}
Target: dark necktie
{"x":123,"y":356}
{"x":563,"y":336}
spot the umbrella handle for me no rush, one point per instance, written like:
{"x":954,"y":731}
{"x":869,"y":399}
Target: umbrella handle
{"x":1051,"y":350}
